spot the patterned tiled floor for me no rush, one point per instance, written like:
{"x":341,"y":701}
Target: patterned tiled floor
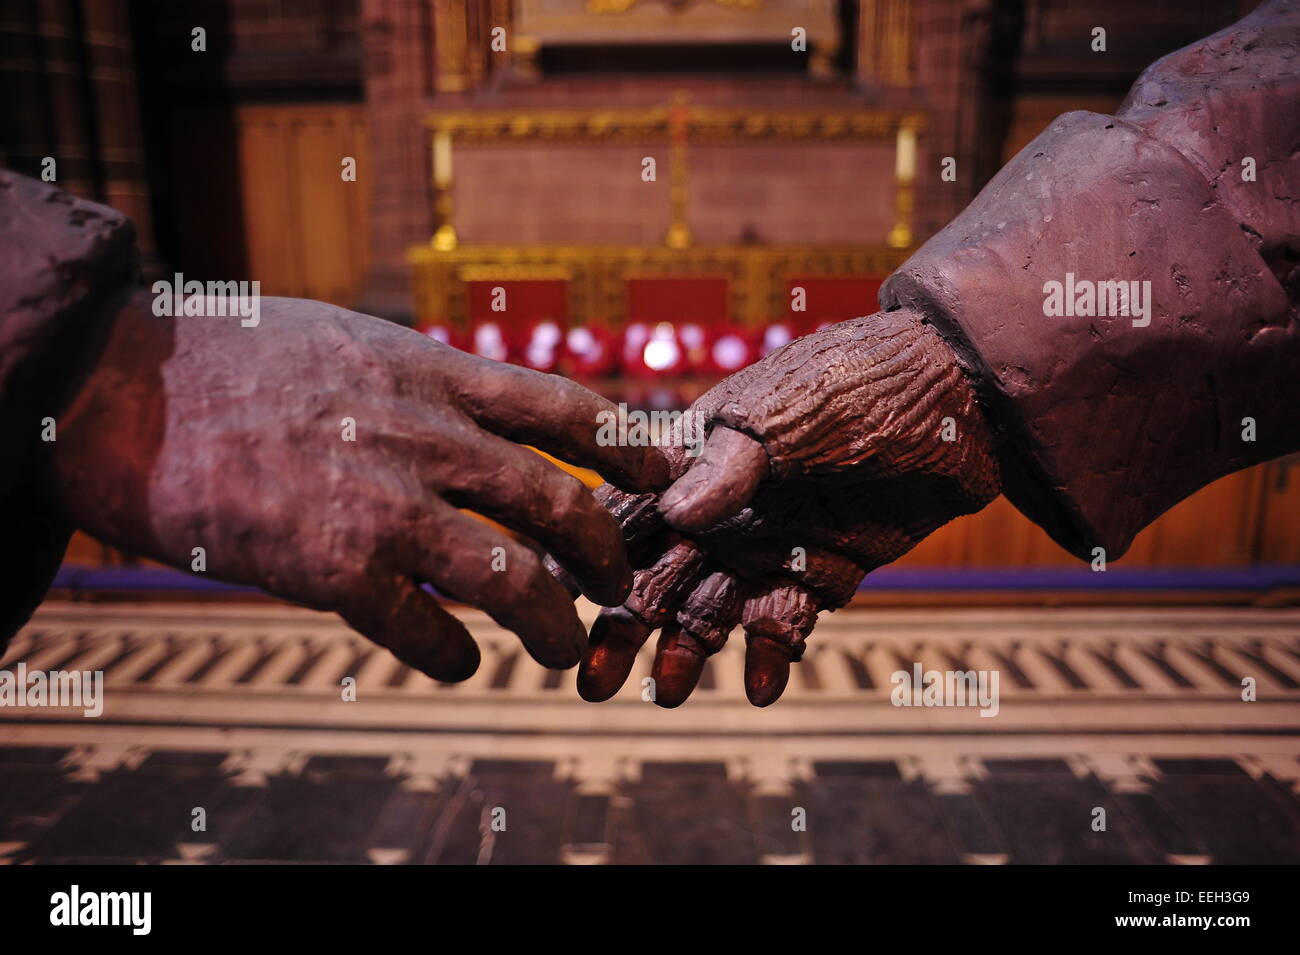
{"x":234,"y":715}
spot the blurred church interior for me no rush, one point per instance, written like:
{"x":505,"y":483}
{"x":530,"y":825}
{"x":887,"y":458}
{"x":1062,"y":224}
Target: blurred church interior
{"x":517,"y":159}
{"x":667,"y":190}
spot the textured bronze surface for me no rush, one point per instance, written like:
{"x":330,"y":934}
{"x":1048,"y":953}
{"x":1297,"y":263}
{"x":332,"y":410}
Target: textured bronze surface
{"x":837,"y":453}
{"x":827,"y":459}
{"x":321,"y":454}
{"x":1191,"y":187}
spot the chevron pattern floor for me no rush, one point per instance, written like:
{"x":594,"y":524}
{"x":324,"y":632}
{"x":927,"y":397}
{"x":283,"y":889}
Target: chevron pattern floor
{"x":238,"y":711}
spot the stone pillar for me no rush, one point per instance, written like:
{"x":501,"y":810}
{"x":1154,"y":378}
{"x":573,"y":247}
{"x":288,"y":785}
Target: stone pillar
{"x":110,"y":63}
{"x":397,"y":38}
{"x":68,"y":74}
{"x":938,"y":72}
{"x":416,"y":54}
{"x":954,"y":62}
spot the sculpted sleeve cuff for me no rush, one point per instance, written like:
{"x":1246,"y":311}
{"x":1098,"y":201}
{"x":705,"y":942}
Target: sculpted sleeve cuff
{"x":62,"y":258}
{"x":1120,"y":325}
{"x":1124,"y":292}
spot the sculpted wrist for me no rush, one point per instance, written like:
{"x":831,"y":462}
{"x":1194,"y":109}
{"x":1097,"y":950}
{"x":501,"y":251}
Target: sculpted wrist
{"x":882,"y":394}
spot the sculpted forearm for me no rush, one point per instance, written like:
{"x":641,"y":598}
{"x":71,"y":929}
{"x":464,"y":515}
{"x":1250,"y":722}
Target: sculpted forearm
{"x":325,"y":457}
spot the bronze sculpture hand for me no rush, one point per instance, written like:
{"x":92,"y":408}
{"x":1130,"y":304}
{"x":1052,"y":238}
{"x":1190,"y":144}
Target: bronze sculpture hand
{"x":827,"y":459}
{"x":322,"y":456}
{"x":1106,"y":414}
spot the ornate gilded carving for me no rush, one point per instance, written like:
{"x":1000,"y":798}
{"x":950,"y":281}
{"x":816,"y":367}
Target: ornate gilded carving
{"x":711,"y":125}
{"x":673,"y":23}
{"x":604,"y":7}
{"x":597,"y":275}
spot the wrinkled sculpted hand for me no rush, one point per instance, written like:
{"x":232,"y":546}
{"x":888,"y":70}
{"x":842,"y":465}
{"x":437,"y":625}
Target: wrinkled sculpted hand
{"x":323,"y":455}
{"x":825,"y":460}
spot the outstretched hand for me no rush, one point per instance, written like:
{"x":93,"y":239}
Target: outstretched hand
{"x":323,"y":456}
{"x":825,"y":460}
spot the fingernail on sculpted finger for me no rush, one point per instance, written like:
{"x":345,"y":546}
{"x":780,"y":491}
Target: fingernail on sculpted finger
{"x":767,"y":670}
{"x":616,"y":637}
{"x":777,"y":623}
{"x":679,"y":661}
{"x":718,"y":484}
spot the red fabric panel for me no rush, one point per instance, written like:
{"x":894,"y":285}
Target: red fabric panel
{"x":526,"y":301}
{"x":677,"y":300}
{"x":836,"y":299}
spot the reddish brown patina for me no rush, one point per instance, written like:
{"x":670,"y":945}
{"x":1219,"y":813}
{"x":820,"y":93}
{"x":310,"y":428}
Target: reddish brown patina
{"x":831,"y":456}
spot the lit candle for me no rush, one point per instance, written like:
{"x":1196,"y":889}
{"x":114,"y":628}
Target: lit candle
{"x":442,"y":159}
{"x":905,"y":155}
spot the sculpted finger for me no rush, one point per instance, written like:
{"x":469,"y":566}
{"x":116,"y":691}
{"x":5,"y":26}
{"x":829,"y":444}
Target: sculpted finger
{"x":396,"y":614}
{"x":638,"y":516}
{"x":557,"y":415}
{"x":703,"y":622}
{"x":617,"y":635}
{"x":659,"y":589}
{"x":616,"y":638}
{"x":643,"y":531}
{"x":777,"y":623}
{"x":718,"y":484}
{"x":522,"y":490}
{"x":833,"y":577}
{"x":645,"y":540}
{"x":713,"y":609}
{"x":479,"y":565}
{"x":679,"y":661}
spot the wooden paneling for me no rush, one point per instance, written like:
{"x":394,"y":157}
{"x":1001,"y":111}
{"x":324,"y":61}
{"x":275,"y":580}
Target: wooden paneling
{"x":1252,"y":516}
{"x":1278,"y":540}
{"x":305,"y":228}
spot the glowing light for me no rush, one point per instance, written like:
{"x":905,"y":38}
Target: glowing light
{"x":547,"y":333}
{"x":582,"y":342}
{"x":636,"y":335}
{"x":661,"y":351}
{"x":774,"y":337}
{"x":729,"y":352}
{"x":489,"y":343}
{"x":541,"y":346}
